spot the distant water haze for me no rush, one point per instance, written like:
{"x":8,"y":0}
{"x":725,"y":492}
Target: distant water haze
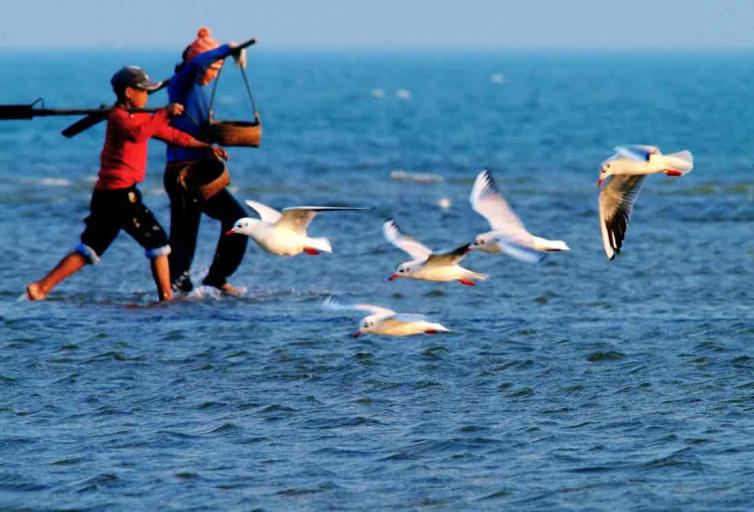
{"x":338,"y":24}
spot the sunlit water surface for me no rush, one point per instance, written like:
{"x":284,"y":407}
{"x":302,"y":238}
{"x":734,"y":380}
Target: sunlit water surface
{"x":575,"y":384}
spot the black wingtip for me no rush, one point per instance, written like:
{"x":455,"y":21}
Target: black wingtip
{"x":491,"y":183}
{"x":463,"y":249}
{"x":393,"y":223}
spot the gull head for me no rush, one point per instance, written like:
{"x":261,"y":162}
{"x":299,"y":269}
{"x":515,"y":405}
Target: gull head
{"x":402,"y":270}
{"x":364,"y":328}
{"x":606,"y":169}
{"x":245,"y":226}
{"x":485,"y":243}
{"x":368,"y":324}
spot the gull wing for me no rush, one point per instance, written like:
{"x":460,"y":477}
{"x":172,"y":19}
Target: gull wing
{"x":336,"y":304}
{"x":409,"y":244}
{"x":266,"y":213}
{"x":297,"y":218}
{"x":637,"y":151}
{"x":410,"y":317}
{"x":616,"y":203}
{"x":486,"y":200}
{"x":447,"y":258}
{"x":402,"y":319}
{"x":515,"y":249}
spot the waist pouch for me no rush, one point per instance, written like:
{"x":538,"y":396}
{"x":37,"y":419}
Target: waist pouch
{"x":201,"y":178}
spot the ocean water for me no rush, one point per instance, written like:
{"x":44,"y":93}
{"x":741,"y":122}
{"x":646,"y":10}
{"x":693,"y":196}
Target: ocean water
{"x":576,"y":384}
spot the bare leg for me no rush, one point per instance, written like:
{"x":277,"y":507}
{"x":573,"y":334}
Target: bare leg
{"x":161,"y":274}
{"x":72,"y":262}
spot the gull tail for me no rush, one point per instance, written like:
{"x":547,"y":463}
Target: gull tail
{"x":678,"y":164}
{"x":544,"y":245}
{"x":318,"y":244}
{"x":477,"y":276}
{"x":434,"y":328}
{"x":557,"y":245}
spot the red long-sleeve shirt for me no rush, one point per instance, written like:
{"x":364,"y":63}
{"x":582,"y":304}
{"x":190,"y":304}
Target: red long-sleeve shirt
{"x":123,"y":161}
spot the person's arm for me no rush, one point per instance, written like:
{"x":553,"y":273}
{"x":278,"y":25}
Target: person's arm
{"x":196,"y":67}
{"x":136,"y":127}
{"x":183,"y":79}
{"x":175,"y":137}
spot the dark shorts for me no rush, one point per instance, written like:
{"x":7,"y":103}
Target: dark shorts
{"x":113,"y":210}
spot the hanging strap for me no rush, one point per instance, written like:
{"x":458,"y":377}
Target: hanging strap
{"x":214,"y":90}
{"x":251,"y":96}
{"x":254,"y":114}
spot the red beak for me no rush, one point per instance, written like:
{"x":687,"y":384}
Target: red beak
{"x":230,"y":232}
{"x":392,"y":276}
{"x":599,"y":182}
{"x":356,"y":334}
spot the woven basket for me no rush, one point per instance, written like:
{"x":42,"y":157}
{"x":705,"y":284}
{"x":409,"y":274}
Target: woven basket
{"x":237,"y":133}
{"x":202,"y":178}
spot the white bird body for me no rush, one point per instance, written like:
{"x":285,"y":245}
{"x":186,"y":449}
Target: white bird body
{"x":284,"y":233}
{"x":627,"y":171}
{"x":491,"y":244}
{"x":640,"y":160}
{"x":279,"y":240}
{"x":508,"y":234}
{"x":386,"y":322}
{"x":427,"y":265}
{"x":653,"y":164}
{"x":431,"y":270}
{"x":403,"y":325}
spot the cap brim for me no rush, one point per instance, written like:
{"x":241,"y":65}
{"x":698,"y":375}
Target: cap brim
{"x":149,"y":85}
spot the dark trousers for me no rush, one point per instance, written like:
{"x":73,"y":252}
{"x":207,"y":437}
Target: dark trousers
{"x":186,"y":209}
{"x":113,"y":210}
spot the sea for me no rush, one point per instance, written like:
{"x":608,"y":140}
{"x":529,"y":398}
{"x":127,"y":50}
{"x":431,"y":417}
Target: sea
{"x":578,"y":383}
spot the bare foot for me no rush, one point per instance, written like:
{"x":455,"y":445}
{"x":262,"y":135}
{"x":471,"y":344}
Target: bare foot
{"x":233,"y":291}
{"x":35,"y":292}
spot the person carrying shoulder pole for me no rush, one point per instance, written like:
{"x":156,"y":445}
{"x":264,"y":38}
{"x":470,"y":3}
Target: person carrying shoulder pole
{"x":116,"y":203}
{"x":200,"y":65}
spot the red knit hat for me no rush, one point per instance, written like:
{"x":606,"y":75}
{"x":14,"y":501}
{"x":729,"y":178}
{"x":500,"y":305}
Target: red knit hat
{"x":203,"y":42}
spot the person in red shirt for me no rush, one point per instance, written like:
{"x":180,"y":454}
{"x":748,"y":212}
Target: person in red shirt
{"x":116,"y":202}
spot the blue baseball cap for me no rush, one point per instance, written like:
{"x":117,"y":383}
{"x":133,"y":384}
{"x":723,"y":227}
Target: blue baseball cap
{"x":133,"y":76}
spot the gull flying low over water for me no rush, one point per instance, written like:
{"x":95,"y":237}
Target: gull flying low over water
{"x":387,"y":322}
{"x":284,"y":233}
{"x":427,"y":265}
{"x":508,"y":234}
{"x":626,"y":171}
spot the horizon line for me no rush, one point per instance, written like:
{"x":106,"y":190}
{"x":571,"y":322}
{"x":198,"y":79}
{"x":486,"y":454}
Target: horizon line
{"x":363,"y":48}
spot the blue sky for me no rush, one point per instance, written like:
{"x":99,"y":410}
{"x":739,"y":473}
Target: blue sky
{"x":570,"y":24}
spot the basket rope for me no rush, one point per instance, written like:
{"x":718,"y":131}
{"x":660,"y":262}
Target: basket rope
{"x":248,"y":91}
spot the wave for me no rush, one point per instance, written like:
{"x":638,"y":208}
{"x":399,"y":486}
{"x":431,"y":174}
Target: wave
{"x":416,"y":177}
{"x":55,"y":182}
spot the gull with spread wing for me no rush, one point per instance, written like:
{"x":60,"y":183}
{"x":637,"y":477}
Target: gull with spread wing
{"x":387,"y":322}
{"x":284,"y":233}
{"x":508,"y":234}
{"x":626,"y":171}
{"x":427,"y":265}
